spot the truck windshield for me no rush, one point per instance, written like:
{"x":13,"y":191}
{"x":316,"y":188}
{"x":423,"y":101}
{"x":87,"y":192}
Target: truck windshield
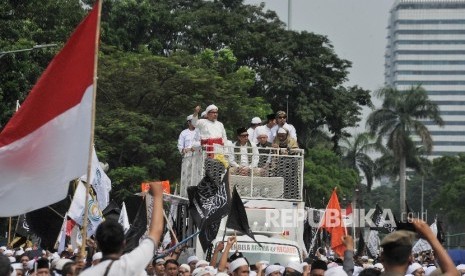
{"x":271,"y":252}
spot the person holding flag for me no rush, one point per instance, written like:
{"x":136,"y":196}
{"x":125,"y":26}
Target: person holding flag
{"x":110,"y":239}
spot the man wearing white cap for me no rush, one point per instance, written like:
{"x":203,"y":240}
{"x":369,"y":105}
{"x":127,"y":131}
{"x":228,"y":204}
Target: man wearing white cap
{"x":281,"y":118}
{"x":256,"y":121}
{"x":239,"y":267}
{"x":266,"y":128}
{"x":211,"y":131}
{"x":192,"y":262}
{"x":186,"y":138}
{"x":110,"y":240}
{"x":294,"y":268}
{"x":274,"y":270}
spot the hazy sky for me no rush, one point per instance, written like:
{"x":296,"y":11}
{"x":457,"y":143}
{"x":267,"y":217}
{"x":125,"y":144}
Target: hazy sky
{"x":356,"y":28}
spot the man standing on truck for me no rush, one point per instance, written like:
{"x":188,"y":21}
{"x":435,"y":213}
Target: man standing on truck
{"x":211,"y":131}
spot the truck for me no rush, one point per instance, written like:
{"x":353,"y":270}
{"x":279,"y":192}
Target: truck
{"x":272,"y":196}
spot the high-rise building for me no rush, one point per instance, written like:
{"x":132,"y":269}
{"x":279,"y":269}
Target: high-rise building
{"x":426,"y":45}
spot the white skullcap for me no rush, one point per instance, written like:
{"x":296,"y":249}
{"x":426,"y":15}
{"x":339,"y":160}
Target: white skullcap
{"x":261,"y":131}
{"x":201,"y":263}
{"x":365,"y":258}
{"x":263,"y":262}
{"x":332,"y":264}
{"x":256,"y":120}
{"x":282,"y":130}
{"x":379,"y":266}
{"x":461,"y":266}
{"x":203,"y":114}
{"x":61,"y":263}
{"x":296,"y":266}
{"x":3,"y":248}
{"x":191,"y":259}
{"x":201,"y":271}
{"x":188,"y":118}
{"x":211,"y":269}
{"x":30,"y":264}
{"x":19,"y":252}
{"x":273,"y":268}
{"x":252,"y":273}
{"x":28,"y":249}
{"x":8,"y":252}
{"x":357,"y":270}
{"x":335,"y":271}
{"x":17,"y":266}
{"x":430,"y":270}
{"x":186,"y":267}
{"x":97,"y":256}
{"x":210,"y":108}
{"x":55,"y":256}
{"x":12,"y":259}
{"x":411,"y":268}
{"x":236,"y":264}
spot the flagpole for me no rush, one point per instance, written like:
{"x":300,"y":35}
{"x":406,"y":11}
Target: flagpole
{"x":170,"y":228}
{"x":91,"y":138}
{"x":319,"y":225}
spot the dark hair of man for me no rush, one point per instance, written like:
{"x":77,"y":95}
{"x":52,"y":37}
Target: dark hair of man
{"x":171,"y":261}
{"x":370,"y":272}
{"x":110,"y":237}
{"x":67,"y":269}
{"x":319,"y":264}
{"x":396,"y":254}
{"x":43,"y":263}
{"x":4,"y":265}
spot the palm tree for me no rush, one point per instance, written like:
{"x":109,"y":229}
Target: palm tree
{"x":355,"y":155}
{"x":398,"y":119}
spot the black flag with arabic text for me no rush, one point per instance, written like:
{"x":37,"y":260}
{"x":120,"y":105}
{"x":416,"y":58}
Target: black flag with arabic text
{"x":209,"y":201}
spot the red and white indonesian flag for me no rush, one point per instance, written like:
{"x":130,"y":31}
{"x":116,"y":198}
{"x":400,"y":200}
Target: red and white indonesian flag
{"x":46,"y":143}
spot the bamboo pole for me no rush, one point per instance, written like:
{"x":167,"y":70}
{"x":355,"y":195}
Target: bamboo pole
{"x":92,"y":130}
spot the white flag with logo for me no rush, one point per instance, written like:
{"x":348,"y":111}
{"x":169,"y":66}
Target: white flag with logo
{"x":78,"y":206}
{"x":99,"y":181}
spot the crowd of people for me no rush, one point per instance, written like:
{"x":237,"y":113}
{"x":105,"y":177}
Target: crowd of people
{"x":396,"y":257}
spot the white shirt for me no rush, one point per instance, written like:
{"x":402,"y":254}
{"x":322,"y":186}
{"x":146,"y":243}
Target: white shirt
{"x":186,"y":139}
{"x":251,"y":132}
{"x":244,"y":156}
{"x":287,"y":126}
{"x":208,"y":129}
{"x":132,"y":263}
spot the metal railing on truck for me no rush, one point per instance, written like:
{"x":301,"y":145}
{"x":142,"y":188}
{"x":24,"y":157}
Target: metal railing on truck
{"x":273,"y":173}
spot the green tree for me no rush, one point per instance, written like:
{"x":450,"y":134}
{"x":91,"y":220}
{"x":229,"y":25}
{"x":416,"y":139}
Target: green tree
{"x":355,"y":154}
{"x":24,"y":24}
{"x":398,"y":119}
{"x":449,"y":175}
{"x":323,"y":171}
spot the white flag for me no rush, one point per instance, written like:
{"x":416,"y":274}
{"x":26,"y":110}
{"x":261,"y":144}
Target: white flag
{"x":373,"y":243}
{"x":61,"y":240}
{"x":423,"y":245}
{"x":123,"y":218}
{"x":76,"y":210}
{"x":99,"y":181}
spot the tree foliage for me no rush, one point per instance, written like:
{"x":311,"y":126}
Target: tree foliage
{"x":158,"y":59}
{"x":398,"y":120}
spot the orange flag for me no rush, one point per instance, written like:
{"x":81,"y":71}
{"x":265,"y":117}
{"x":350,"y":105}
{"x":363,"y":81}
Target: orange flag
{"x":333,"y":223}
